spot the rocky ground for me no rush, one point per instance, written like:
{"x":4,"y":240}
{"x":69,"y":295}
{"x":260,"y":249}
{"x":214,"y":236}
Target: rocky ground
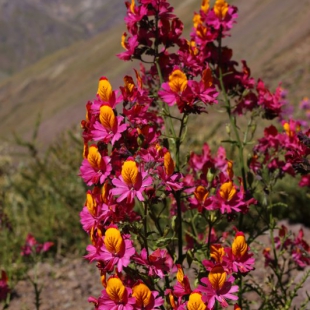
{"x":69,"y":282}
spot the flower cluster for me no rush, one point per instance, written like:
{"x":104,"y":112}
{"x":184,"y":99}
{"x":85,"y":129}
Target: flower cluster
{"x":297,"y":248}
{"x":147,"y":207}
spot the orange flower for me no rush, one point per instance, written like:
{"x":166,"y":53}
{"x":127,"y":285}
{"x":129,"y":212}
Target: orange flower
{"x":113,"y":241}
{"x":195,"y":302}
{"x":177,"y":81}
{"x":228,"y":191}
{"x":239,"y":247}
{"x":220,"y":8}
{"x":217,"y":277}
{"x":130,"y":172}
{"x":142,"y":294}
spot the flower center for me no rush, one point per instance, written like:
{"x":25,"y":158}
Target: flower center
{"x":90,"y":203}
{"x":207,"y":77}
{"x":217,"y":252}
{"x":205,"y":5}
{"x":132,"y":6}
{"x":201,"y":193}
{"x":129,"y":84}
{"x":168,"y":164}
{"x":221,"y":8}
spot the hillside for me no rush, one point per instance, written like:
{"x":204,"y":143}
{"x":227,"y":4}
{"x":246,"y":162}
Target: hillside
{"x":271,"y":35}
{"x":32,"y":29}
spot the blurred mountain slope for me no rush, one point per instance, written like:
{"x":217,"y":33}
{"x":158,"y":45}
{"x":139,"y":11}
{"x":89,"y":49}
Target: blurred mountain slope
{"x":32,"y":29}
{"x":272,"y":35}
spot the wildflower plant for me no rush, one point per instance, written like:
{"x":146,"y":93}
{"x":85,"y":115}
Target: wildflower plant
{"x":155,"y":216}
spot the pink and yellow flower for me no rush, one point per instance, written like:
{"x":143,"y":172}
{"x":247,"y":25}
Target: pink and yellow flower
{"x":109,"y":127}
{"x":116,"y":250}
{"x":145,"y":298}
{"x":238,"y":255}
{"x":116,"y":296}
{"x":218,"y":287}
{"x":131,"y":183}
{"x":95,"y":168}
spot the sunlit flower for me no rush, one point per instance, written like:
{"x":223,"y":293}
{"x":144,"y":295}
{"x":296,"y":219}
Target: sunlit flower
{"x":116,"y":250}
{"x":238,"y":255}
{"x":218,"y":287}
{"x":195,"y":302}
{"x":116,"y":296}
{"x":95,"y":168}
{"x":145,"y":298}
{"x":131,"y":183}
{"x":109,"y":127}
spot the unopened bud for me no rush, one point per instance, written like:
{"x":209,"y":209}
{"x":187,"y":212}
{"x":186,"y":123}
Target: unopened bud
{"x":210,"y":175}
{"x":140,"y":140}
{"x":228,"y":129}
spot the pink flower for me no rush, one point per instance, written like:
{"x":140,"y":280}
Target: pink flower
{"x":131,"y":183}
{"x":218,"y":287}
{"x":238,"y":255}
{"x":167,"y":176}
{"x":157,"y":263}
{"x":109,"y":127}
{"x":116,"y":250}
{"x":227,"y":199}
{"x":95,"y":168}
{"x":116,"y":296}
{"x":32,"y":246}
{"x":182,"y":287}
{"x":145,"y":298}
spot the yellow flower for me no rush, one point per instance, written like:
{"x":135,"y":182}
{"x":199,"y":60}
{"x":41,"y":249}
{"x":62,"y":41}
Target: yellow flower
{"x":177,"y":81}
{"x":104,"y":89}
{"x":217,"y":277}
{"x":142,"y":294}
{"x":113,"y":240}
{"x":130,"y":172}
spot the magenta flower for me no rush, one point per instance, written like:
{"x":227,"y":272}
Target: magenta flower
{"x":218,"y":287}
{"x":116,"y":296}
{"x":109,"y":127}
{"x":116,"y":250}
{"x":238,"y":255}
{"x":131,"y":183}
{"x":95,"y":168}
{"x":32,"y":246}
{"x":157,"y":263}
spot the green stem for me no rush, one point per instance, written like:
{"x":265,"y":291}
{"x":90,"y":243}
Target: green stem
{"x":179,"y":227}
{"x":232,"y":120}
{"x":145,"y":229}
